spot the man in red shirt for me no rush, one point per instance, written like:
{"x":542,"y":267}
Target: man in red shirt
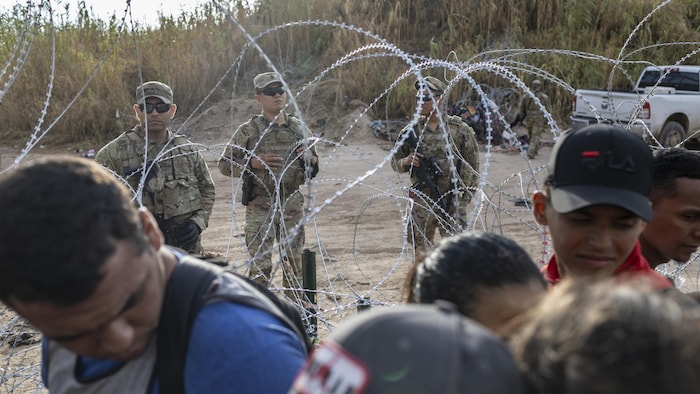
{"x":596,"y":204}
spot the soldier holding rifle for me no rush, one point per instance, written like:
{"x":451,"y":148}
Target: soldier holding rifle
{"x":440,"y":199}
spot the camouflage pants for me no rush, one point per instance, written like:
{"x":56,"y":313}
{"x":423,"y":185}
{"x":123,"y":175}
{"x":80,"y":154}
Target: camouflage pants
{"x":264,"y":226}
{"x":424,"y":222}
{"x":534,"y":132}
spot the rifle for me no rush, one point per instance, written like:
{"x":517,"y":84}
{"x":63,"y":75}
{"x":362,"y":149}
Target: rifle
{"x":427,"y":174}
{"x":302,"y":163}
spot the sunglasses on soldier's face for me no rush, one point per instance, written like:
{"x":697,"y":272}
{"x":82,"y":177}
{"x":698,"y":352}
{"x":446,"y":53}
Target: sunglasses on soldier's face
{"x":273,"y":91}
{"x":160,"y":107}
{"x":427,"y":97}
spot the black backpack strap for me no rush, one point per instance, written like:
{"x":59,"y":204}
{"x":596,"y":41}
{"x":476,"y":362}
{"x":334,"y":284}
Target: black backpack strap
{"x":184,"y":297}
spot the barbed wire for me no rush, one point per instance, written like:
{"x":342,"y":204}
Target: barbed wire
{"x":351,"y":275}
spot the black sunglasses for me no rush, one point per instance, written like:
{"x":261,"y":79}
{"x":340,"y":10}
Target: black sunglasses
{"x":427,"y":97}
{"x":273,"y":91}
{"x":160,"y":107}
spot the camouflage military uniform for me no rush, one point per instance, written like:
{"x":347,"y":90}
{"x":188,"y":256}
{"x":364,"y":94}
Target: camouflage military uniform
{"x":275,"y":204}
{"x":426,"y":216}
{"x":178,"y":187}
{"x":534,"y":119}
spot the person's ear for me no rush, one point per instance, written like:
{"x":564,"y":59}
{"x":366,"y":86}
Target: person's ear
{"x":539,"y":205}
{"x":173,"y":109}
{"x":151,"y":229}
{"x":137,"y":112}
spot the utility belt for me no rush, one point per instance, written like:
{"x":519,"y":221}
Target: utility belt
{"x":419,"y":190}
{"x":422,"y":187}
{"x":284,"y":192}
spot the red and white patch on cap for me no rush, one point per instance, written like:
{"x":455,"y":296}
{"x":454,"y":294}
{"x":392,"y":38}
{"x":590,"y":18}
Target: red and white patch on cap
{"x":590,"y":153}
{"x":332,"y":370}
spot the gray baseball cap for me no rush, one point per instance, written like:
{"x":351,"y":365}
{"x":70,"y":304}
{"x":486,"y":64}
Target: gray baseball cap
{"x":414,"y":348}
{"x":154,"y":89}
{"x":262,"y":80}
{"x":435,"y":85}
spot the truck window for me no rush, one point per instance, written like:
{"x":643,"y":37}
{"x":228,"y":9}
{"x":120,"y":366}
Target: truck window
{"x":688,"y":81}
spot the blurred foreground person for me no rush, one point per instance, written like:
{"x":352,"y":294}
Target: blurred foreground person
{"x":611,"y":337}
{"x":410,"y":349}
{"x":121,"y":312}
{"x":489,"y":278}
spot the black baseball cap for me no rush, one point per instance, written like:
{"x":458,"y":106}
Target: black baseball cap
{"x":600,"y":164}
{"x":414,"y":348}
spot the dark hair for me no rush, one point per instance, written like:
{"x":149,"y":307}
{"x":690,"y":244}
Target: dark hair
{"x":459,"y":266}
{"x":670,"y":164}
{"x":609,"y":337}
{"x":60,"y":219}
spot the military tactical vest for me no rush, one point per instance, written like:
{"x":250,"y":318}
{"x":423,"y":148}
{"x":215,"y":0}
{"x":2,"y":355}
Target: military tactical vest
{"x":171,"y":186}
{"x":432,"y":144}
{"x":283,"y":141}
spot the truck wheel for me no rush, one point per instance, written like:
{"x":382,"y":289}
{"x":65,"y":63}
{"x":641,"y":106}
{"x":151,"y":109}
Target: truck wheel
{"x":672,"y":134}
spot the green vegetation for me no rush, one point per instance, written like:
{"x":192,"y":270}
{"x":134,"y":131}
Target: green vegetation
{"x":99,"y":63}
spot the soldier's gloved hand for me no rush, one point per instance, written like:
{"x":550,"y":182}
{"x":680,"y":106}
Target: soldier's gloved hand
{"x":187,"y":235}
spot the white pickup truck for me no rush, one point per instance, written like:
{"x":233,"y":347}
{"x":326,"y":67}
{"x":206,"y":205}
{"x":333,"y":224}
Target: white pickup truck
{"x":665,"y":103}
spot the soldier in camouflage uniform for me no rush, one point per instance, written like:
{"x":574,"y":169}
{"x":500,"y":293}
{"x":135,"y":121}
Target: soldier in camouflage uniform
{"x":270,"y":155}
{"x":434,"y":205}
{"x":178,"y":188}
{"x":533,"y":117}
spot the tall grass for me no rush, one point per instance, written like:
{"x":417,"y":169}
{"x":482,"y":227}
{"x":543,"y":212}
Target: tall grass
{"x":193,"y":52}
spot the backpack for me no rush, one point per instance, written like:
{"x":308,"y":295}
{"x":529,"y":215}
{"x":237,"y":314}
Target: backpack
{"x":193,"y":285}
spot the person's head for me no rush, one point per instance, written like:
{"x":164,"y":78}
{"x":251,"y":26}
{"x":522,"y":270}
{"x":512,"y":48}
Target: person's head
{"x":417,"y":349}
{"x":610,"y":337}
{"x":78,"y":259}
{"x":536,"y":85}
{"x":154,"y":106}
{"x":595,"y":201}
{"x":674,"y":232}
{"x":490,"y":279}
{"x":429,"y":94}
{"x":270,"y":93}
